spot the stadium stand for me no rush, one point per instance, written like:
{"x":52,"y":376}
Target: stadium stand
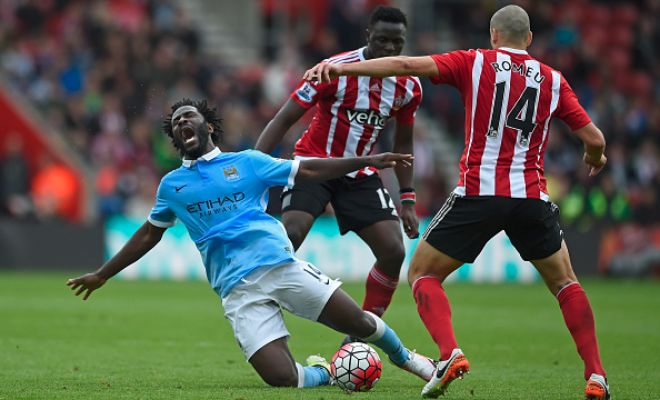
{"x":102,"y":73}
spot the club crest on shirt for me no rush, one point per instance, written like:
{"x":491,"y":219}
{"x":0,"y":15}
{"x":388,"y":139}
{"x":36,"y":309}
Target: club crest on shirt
{"x":231,"y":173}
{"x":398,"y":102}
{"x":306,"y":92}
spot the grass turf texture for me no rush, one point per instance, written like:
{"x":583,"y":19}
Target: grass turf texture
{"x":164,"y":340}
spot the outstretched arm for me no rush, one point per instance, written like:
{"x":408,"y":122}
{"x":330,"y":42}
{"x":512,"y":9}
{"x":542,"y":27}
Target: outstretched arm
{"x":322,"y":169}
{"x":378,"y":67}
{"x":143,"y":240}
{"x":279,"y":125}
{"x":594,"y":147}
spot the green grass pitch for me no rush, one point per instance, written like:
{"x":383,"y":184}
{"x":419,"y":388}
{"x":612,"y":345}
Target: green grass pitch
{"x":169,"y":340}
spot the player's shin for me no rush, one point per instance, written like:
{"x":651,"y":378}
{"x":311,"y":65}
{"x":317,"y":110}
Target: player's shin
{"x":388,"y":341}
{"x":579,"y":319}
{"x":379,"y":291}
{"x":435,"y":311}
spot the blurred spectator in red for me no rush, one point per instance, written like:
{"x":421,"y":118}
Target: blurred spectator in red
{"x":631,"y":251}
{"x":53,"y":190}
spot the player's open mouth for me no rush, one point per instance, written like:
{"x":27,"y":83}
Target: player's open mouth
{"x":187,"y":134}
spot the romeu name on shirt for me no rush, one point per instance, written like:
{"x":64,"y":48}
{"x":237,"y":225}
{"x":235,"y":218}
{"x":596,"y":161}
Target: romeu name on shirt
{"x":509,"y":99}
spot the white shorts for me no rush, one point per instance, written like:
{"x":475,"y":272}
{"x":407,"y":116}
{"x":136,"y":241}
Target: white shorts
{"x":253,"y":307}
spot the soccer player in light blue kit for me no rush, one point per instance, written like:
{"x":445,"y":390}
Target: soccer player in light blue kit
{"x":221,"y":199}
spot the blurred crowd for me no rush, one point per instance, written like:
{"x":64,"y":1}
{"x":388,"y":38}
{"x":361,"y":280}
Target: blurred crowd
{"x":608,"y":52}
{"x":104,"y":72}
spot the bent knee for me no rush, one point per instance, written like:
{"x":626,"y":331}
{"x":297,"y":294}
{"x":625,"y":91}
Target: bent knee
{"x":418,"y":269}
{"x":391,"y":262}
{"x":555,"y":286}
{"x":397,"y":254}
{"x":427,"y":260}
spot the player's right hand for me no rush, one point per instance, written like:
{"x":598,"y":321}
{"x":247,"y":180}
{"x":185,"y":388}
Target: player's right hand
{"x":595,"y":166}
{"x":88,"y":282}
{"x":409,"y":220}
{"x":322,"y":72}
{"x":389,"y":160}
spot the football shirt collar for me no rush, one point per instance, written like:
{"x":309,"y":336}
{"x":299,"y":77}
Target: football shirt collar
{"x":511,"y":50}
{"x":361,"y":53}
{"x":206,"y":157}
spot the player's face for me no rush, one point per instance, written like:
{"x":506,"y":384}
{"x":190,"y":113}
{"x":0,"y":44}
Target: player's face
{"x":386,"y":39}
{"x":191,"y":133}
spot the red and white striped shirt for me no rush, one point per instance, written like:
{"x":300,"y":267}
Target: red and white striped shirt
{"x":509,"y":99}
{"x":351,"y":111}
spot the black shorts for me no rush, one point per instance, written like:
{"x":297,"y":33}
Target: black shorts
{"x":464,"y":224}
{"x":358,"y":203}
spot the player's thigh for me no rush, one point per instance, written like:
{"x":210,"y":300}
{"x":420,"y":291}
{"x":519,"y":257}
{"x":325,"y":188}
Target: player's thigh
{"x":429,"y":261}
{"x":255,"y":317}
{"x":533,"y":228}
{"x":362,"y":202}
{"x":301,"y":205}
{"x":308,"y":196}
{"x":534,"y":231}
{"x":297,"y":225}
{"x":457,"y":233}
{"x":556,"y":269}
{"x":385,"y":240}
{"x":300,"y":288}
{"x":275,"y":364}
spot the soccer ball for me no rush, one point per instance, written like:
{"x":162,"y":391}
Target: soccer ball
{"x":356,"y":367}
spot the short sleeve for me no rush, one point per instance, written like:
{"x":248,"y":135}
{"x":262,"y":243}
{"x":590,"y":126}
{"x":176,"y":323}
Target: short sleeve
{"x":453,"y":67}
{"x":569,"y":108}
{"x":307,"y":93}
{"x":273,"y":171}
{"x":161,"y":215}
{"x":406,"y":115}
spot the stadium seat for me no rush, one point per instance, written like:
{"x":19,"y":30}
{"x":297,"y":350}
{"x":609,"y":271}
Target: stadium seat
{"x":626,"y":14}
{"x":621,"y":36}
{"x":597,"y":14}
{"x":618,"y":59}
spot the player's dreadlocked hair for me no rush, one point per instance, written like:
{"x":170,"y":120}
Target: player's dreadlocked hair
{"x":387,"y":14}
{"x":209,"y":115}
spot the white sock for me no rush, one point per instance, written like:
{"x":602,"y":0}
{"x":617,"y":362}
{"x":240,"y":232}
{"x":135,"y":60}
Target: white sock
{"x":301,"y":375}
{"x":380,"y":328}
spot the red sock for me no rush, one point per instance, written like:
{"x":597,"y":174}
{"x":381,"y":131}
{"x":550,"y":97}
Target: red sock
{"x":433,"y":306}
{"x":380,"y":289}
{"x":580,"y":322}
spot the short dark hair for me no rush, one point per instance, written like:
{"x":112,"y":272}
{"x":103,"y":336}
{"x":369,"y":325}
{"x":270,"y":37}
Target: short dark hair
{"x":387,"y":14}
{"x":209,"y":114}
{"x":512,"y":22}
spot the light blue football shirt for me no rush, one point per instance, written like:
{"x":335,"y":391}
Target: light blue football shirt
{"x":221,"y":198}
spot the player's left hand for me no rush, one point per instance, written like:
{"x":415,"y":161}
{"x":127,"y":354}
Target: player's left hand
{"x":595,"y":166}
{"x":322,"y":73}
{"x":88,"y":282}
{"x":389,"y":160}
{"x":409,"y":220}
